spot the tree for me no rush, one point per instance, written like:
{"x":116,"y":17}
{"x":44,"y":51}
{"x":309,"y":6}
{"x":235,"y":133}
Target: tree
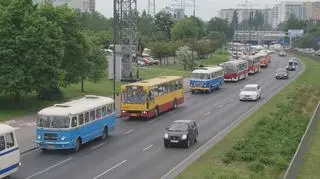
{"x":75,"y":45}
{"x":163,"y":23}
{"x":221,"y":26}
{"x":184,"y":29}
{"x":31,"y":50}
{"x":160,"y":50}
{"x":235,"y":20}
{"x":145,"y":29}
{"x":258,"y":20}
{"x":184,"y":56}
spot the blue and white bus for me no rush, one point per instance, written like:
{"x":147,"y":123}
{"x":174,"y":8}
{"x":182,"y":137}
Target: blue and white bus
{"x":71,"y":124}
{"x":206,"y":79}
{"x":9,"y":151}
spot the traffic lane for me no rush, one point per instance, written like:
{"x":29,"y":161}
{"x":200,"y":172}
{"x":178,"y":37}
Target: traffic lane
{"x":209,"y":125}
{"x":139,"y":136}
{"x":132,"y":152}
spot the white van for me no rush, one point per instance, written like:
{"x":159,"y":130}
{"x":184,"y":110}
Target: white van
{"x":9,"y":151}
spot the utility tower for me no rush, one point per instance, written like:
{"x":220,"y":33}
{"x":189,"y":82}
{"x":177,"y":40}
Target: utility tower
{"x":179,"y":8}
{"x":125,"y":39}
{"x":152,"y":7}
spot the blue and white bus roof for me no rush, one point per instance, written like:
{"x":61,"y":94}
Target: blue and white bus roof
{"x":77,"y":106}
{"x":209,"y":69}
{"x":4,"y":128}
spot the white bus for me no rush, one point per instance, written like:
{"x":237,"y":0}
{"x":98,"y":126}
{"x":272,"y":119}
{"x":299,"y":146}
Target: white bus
{"x":9,"y":151}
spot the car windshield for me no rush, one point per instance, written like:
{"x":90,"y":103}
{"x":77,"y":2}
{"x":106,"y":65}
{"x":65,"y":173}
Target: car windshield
{"x":53,"y":122}
{"x":178,"y":127}
{"x":249,"y":89}
{"x":200,"y":76}
{"x":290,"y":63}
{"x":133,"y":95}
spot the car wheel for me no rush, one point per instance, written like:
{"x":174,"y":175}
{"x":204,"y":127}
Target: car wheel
{"x":195,"y":139}
{"x":166,"y":145}
{"x":187,"y":145}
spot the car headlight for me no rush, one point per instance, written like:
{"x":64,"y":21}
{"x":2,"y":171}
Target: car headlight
{"x":184,"y":136}
{"x":63,"y":138}
{"x":39,"y":137}
{"x":204,"y":85}
{"x":277,"y":74}
{"x":166,"y":136}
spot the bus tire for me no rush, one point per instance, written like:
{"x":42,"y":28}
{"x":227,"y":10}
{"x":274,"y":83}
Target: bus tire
{"x":174,"y":106}
{"x":44,"y":150}
{"x":104,"y":133}
{"x":77,"y":146}
{"x":156,"y":112}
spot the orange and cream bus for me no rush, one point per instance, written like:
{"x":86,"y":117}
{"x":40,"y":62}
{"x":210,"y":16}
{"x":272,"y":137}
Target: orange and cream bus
{"x":149,"y":98}
{"x":264,"y":59}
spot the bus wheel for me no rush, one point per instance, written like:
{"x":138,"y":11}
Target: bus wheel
{"x":156,"y":112}
{"x":174,"y":104}
{"x":44,"y":150}
{"x":77,"y":146}
{"x":105,"y":133}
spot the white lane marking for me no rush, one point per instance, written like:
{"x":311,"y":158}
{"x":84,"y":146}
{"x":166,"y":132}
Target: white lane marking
{"x":97,"y":146}
{"x":206,"y":114}
{"x":129,"y":131}
{"x":110,"y":169}
{"x":49,"y":168}
{"x":147,"y":147}
{"x":220,"y":106}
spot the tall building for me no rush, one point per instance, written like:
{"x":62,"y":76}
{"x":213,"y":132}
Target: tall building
{"x":312,"y":10}
{"x":82,"y":5}
{"x":244,"y":14}
{"x":282,"y":11}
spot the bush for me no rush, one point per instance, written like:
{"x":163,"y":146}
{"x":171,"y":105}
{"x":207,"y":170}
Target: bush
{"x":256,"y":166}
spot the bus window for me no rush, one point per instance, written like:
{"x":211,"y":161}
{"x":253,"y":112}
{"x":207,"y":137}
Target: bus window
{"x":103,"y":111}
{"x":92,"y":116}
{"x":86,"y":117}
{"x":74,"y":121}
{"x":9,"y":140}
{"x":2,"y":143}
{"x":180,"y":86}
{"x":81,"y":120}
{"x":109,"y":109}
{"x":98,"y":113}
{"x":151,"y":96}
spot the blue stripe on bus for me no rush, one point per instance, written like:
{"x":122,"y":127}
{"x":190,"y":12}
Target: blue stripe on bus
{"x":9,"y":151}
{"x":8,"y":169}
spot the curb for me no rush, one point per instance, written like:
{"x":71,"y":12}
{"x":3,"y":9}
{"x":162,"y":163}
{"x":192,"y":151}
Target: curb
{"x":28,"y":150}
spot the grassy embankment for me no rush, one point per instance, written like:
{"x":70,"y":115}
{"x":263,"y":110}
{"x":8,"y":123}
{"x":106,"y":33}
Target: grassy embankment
{"x":30,"y":103}
{"x":311,"y":161}
{"x":262,"y":146}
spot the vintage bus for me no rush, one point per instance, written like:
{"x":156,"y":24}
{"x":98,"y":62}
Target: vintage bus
{"x":148,"y":98}
{"x":71,"y":124}
{"x":9,"y":151}
{"x":235,"y":70}
{"x":206,"y":79}
{"x":253,"y":64}
{"x":264,"y":59}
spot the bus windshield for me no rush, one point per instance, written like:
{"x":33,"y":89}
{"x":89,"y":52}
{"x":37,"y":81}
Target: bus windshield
{"x":229,"y":69}
{"x":134,"y":95}
{"x":201,"y":76}
{"x":53,"y":122}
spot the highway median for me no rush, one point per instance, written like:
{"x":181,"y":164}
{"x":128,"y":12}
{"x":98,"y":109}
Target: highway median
{"x":263,"y":145}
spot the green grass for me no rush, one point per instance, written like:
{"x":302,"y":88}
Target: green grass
{"x":29,"y":103}
{"x":264,"y":156}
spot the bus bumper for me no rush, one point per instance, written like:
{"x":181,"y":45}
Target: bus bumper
{"x":263,"y":65}
{"x":230,"y":79}
{"x":55,"y":145}
{"x":135,"y":114}
{"x":198,"y":89}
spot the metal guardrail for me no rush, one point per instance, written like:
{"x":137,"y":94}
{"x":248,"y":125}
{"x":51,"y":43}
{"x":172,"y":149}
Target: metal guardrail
{"x":293,"y":169}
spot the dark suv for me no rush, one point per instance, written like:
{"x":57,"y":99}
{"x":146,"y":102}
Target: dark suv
{"x":282,"y":74}
{"x":182,"y":133}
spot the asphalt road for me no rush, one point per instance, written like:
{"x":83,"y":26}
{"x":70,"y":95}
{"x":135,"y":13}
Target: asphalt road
{"x":135,"y":149}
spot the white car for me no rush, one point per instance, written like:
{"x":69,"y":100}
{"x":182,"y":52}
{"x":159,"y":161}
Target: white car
{"x":250,"y":92}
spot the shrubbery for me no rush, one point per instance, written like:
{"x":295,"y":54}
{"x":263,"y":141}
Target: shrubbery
{"x":274,"y":139}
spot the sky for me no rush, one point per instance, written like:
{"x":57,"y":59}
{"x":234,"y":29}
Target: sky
{"x":205,"y":9}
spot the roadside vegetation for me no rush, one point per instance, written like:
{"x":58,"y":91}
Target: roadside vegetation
{"x":262,"y":146}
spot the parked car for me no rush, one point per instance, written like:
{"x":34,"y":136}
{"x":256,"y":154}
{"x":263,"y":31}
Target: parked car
{"x":250,"y":92}
{"x":182,"y":133}
{"x":282,"y":74}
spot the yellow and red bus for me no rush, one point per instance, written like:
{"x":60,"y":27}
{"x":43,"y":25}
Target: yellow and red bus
{"x":149,"y":98}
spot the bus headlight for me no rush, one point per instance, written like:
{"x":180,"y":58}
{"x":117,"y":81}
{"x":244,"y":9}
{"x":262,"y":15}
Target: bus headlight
{"x":39,"y":137}
{"x":166,"y":136}
{"x":123,"y":111}
{"x":184,"y":136}
{"x":63,"y":138}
